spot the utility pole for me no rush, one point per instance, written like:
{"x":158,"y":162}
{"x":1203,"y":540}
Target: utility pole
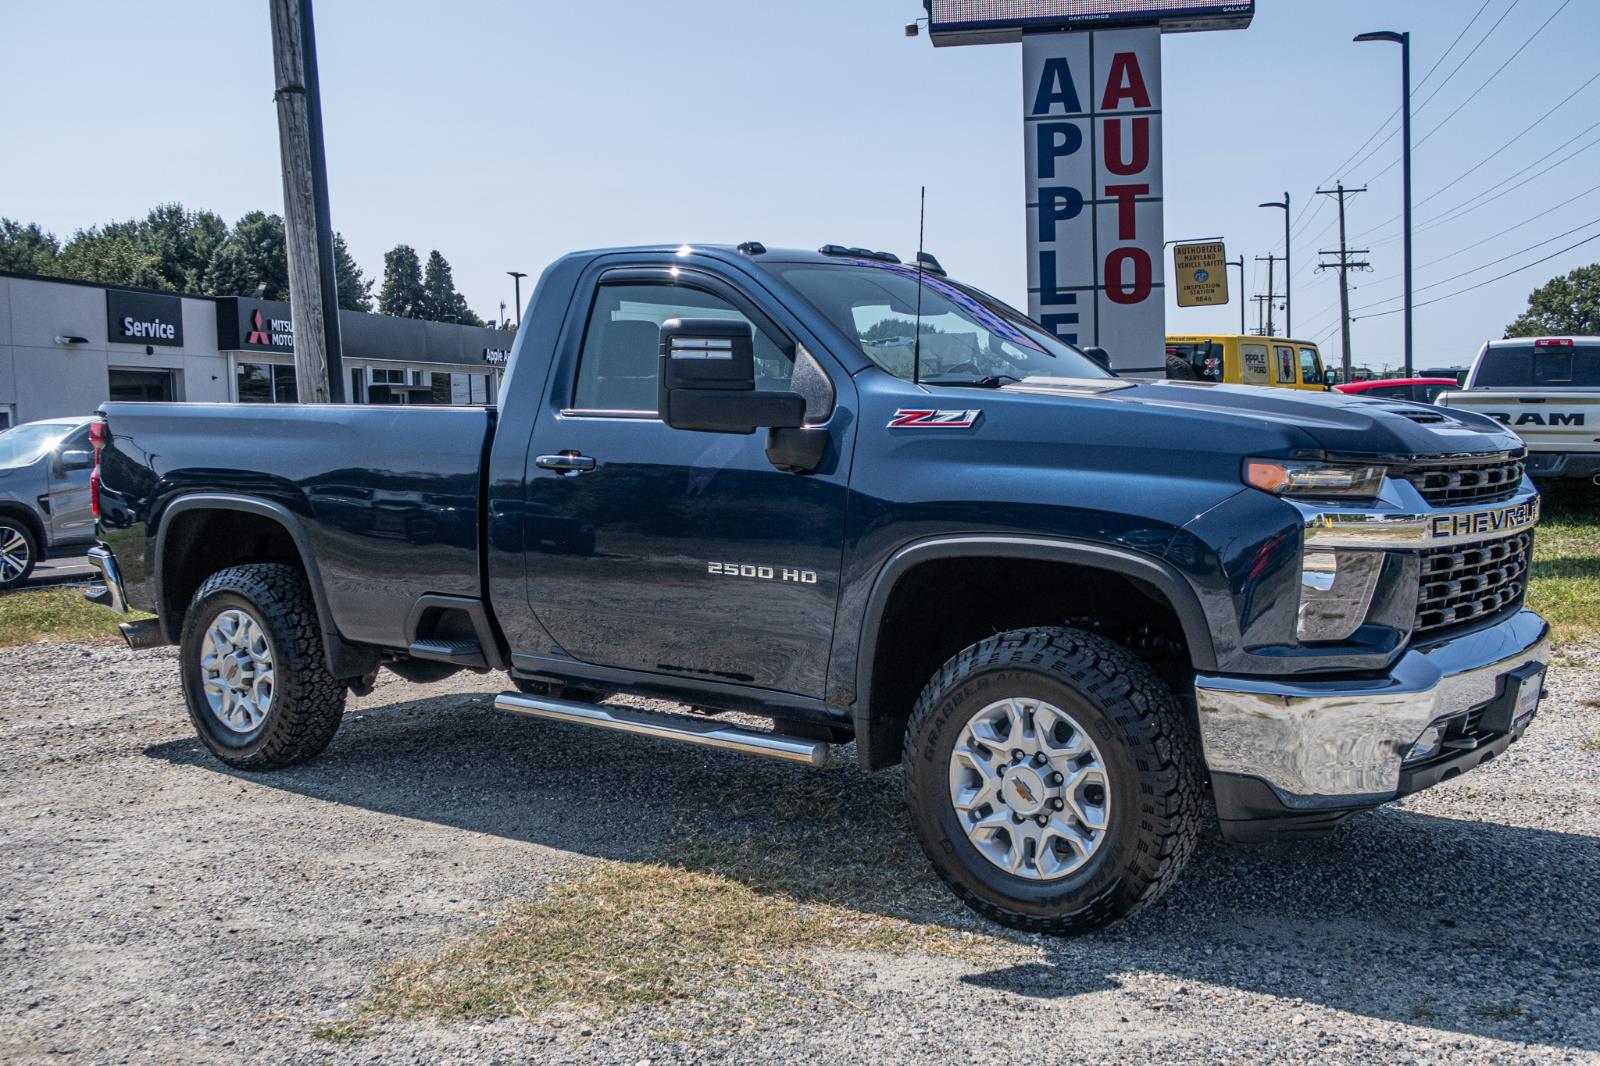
{"x":1242,"y":301}
{"x":1261,"y":303}
{"x":308,"y":229}
{"x":1271,"y":261}
{"x":1344,"y":265}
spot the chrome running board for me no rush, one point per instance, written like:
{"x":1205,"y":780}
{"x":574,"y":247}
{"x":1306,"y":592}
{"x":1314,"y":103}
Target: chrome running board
{"x":668,"y":727}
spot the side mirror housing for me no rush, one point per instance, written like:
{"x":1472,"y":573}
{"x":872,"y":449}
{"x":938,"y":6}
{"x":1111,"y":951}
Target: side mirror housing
{"x":76,"y":459}
{"x":1099,"y":355}
{"x":708,"y":380}
{"x":1330,"y":378}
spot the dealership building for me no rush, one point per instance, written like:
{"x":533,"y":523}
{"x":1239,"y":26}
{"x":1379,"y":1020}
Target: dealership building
{"x":67,"y":346}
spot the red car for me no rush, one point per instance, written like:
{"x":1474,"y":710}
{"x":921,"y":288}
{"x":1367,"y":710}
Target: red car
{"x":1421,"y":390}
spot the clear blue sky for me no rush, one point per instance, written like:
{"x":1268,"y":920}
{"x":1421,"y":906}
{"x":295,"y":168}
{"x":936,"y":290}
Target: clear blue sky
{"x":504,"y":133}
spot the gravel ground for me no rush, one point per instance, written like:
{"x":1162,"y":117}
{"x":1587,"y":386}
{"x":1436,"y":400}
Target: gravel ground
{"x":156,"y":906}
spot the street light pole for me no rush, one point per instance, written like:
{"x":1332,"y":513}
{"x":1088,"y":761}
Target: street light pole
{"x":1404,"y":41}
{"x":1242,"y":299}
{"x":517,"y":277}
{"x":1288,"y":268}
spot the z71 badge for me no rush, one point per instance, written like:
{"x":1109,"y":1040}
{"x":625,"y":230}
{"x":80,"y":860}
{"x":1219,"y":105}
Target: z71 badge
{"x":907,"y":418}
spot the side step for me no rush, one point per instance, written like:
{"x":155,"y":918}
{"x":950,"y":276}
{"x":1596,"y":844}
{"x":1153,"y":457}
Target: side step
{"x":439,"y":650}
{"x":667,"y":726}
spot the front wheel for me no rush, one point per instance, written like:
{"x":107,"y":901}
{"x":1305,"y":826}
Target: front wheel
{"x":1053,"y":780}
{"x":258,"y":688}
{"x":18,"y":552}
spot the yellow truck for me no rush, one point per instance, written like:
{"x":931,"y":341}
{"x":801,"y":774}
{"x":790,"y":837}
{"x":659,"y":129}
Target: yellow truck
{"x":1234,"y":359}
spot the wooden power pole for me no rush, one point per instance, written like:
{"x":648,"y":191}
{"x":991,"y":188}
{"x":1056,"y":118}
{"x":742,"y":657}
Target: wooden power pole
{"x":1344,"y":264}
{"x":1271,"y":261}
{"x":308,"y":229}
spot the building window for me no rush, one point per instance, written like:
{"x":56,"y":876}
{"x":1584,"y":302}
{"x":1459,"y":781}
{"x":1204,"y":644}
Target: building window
{"x":142,"y":386}
{"x":266,"y":383}
{"x":380,"y":391}
{"x":358,"y":385}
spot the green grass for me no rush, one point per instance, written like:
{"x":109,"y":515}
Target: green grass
{"x":1566,"y":564}
{"x":56,"y":614}
{"x":339,"y":1033}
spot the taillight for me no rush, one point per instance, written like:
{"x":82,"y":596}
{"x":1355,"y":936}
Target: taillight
{"x":99,"y":435}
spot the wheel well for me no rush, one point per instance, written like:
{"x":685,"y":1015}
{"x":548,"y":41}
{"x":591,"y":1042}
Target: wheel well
{"x":198,"y":543}
{"x":31,"y":520}
{"x":941,"y":606}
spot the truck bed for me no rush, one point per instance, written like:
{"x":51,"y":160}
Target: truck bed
{"x":381,"y":535}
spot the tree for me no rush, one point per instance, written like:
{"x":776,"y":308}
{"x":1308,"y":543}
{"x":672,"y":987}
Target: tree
{"x":180,"y":242}
{"x":1562,"y":306}
{"x":25,"y":249}
{"x":402,"y":293}
{"x":111,"y":255}
{"x":251,"y":258}
{"x":440,"y":300}
{"x":355,"y":291}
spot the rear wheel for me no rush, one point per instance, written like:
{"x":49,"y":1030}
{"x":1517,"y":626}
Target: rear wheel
{"x":19,"y":550}
{"x":1053,"y":780}
{"x":254,"y":677}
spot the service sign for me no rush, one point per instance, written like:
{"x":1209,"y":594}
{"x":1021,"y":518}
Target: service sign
{"x":1200,"y":271}
{"x":1092,"y":134}
{"x":991,"y":21}
{"x":144,"y":318}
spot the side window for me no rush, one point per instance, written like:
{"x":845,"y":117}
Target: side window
{"x":1253,"y":364}
{"x":1389,"y":392}
{"x":617,"y":369}
{"x":1310,"y":367}
{"x":1285,"y":364}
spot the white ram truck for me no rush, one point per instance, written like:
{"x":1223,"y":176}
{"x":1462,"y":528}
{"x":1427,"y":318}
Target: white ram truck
{"x":1547,"y":389}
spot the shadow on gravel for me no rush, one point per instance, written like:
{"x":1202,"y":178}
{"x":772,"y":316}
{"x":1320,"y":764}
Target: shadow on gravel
{"x":1465,"y":927}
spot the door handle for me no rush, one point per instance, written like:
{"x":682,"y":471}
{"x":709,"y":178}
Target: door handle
{"x":567,"y":463}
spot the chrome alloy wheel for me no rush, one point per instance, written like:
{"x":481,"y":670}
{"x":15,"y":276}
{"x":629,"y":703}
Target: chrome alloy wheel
{"x":1030,"y":789}
{"x":236,"y":670}
{"x":14,"y":554}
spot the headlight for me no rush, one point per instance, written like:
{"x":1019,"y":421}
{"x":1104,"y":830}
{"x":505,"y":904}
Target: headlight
{"x":1303,"y":478}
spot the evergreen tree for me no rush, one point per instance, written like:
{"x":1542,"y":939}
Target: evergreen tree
{"x":253,"y":255}
{"x":440,"y":300}
{"x":402,"y":292}
{"x":1568,"y":306}
{"x":180,"y":242}
{"x":355,"y":291}
{"x":26,"y":249}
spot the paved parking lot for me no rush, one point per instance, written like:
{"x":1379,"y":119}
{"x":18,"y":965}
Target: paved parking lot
{"x":155,"y":906}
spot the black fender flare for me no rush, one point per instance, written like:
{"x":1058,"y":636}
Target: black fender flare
{"x":344,"y":660}
{"x":1162,"y":577}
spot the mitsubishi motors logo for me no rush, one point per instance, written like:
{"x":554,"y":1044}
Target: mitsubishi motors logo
{"x":257,"y":334}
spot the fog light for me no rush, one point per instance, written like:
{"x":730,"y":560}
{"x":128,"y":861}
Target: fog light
{"x":1427,"y":745}
{"x":1336,"y":589}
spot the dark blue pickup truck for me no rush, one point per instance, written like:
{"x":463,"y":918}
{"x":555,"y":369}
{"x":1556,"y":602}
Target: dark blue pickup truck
{"x":872,"y":505}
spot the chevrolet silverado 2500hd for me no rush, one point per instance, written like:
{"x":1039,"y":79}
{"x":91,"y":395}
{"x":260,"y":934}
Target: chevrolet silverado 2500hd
{"x":1547,"y":389}
{"x":870,"y":504}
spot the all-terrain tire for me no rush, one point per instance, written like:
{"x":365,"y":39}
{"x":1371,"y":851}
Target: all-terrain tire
{"x":307,"y":701}
{"x":1152,"y":763}
{"x":21,"y":559}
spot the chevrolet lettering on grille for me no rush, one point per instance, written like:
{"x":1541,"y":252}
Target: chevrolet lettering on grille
{"x":1486,"y":522}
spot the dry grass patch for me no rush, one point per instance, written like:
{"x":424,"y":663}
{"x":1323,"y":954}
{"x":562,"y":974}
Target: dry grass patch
{"x":724,"y":927}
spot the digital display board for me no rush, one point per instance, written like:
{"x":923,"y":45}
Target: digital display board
{"x":990,"y":21}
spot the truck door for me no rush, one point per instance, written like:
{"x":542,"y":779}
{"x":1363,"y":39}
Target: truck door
{"x":673,"y":552}
{"x":68,"y":470}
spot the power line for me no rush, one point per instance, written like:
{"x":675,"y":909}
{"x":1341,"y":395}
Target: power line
{"x":1492,"y":262}
{"x":1468,"y":57}
{"x":1472,"y":288}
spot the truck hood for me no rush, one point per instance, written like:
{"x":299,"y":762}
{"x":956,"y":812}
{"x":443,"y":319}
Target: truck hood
{"x":1343,"y":425}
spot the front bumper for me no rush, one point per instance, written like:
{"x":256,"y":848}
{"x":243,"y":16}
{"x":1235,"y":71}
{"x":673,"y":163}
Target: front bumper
{"x":1312,"y":752}
{"x":1552,"y":465}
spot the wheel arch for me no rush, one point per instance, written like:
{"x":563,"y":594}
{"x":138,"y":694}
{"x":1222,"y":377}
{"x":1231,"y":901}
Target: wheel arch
{"x":287,"y":534}
{"x":880,"y":723}
{"x":23,"y":513}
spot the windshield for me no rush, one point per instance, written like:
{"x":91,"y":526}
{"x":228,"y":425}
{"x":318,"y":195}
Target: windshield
{"x":1564,"y":366}
{"x":21,"y":446}
{"x":968,"y":338}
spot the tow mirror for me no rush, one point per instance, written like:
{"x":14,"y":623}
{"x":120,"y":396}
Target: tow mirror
{"x":708,"y":380}
{"x":1330,"y":378}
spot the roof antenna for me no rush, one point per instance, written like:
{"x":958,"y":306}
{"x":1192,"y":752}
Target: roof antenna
{"x":916,"y":339}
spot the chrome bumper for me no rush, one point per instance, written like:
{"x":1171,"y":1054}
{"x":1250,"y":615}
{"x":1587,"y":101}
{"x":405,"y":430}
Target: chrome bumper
{"x":112,"y":594}
{"x":1340,"y":743}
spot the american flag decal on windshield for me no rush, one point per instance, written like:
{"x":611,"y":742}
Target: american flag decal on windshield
{"x":907,"y":418}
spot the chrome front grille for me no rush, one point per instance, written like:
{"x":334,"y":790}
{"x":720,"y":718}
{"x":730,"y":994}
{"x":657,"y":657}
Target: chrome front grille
{"x":1461,"y":584}
{"x":1476,"y":481}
